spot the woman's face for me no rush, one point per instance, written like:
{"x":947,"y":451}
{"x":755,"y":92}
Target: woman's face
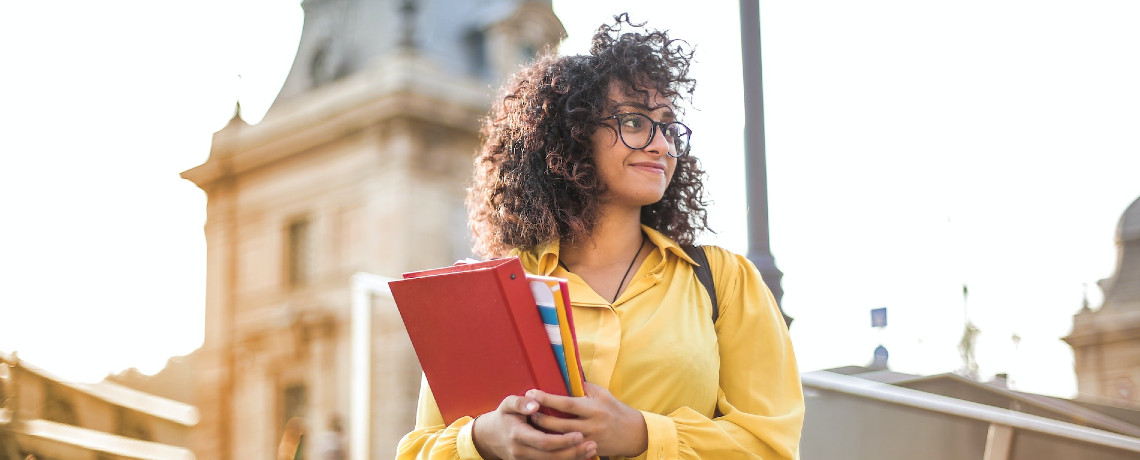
{"x":634,"y":177}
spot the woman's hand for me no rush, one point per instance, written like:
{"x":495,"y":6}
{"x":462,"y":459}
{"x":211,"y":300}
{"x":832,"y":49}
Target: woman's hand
{"x":616,"y":428}
{"x":505,"y":434}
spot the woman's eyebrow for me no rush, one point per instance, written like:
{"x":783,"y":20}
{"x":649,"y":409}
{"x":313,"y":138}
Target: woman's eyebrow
{"x":641,"y":106}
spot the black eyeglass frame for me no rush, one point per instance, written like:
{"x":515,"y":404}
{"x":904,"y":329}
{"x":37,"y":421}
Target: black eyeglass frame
{"x":656,"y":125}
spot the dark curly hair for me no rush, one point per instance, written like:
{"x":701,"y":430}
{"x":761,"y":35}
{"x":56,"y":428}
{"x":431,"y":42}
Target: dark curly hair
{"x":535,"y":180}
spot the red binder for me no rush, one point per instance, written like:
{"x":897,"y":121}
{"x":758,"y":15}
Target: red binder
{"x":478,"y":335}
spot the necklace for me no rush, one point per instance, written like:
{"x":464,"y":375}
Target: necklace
{"x":635,"y":256}
{"x":620,"y":283}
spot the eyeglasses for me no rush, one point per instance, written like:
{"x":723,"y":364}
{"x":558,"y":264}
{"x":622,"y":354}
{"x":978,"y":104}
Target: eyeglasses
{"x":636,"y":131}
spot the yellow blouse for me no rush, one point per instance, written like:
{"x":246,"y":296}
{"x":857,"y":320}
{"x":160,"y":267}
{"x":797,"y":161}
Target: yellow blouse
{"x":729,"y":390}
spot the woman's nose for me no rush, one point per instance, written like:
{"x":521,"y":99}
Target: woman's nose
{"x":658,"y":144}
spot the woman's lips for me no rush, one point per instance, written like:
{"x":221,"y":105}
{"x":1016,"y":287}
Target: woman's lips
{"x":655,"y":168}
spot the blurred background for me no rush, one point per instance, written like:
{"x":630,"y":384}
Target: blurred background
{"x":952,"y":162}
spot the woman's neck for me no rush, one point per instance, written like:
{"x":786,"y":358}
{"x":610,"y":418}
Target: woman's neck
{"x":615,"y":238}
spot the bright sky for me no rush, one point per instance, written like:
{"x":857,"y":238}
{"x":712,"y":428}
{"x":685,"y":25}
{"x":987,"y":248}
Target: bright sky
{"x":912,"y":147}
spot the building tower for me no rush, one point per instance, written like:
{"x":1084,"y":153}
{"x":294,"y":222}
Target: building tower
{"x":1106,"y":342}
{"x":359,"y":166}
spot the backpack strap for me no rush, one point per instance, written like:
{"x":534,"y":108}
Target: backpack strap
{"x":704,"y":274}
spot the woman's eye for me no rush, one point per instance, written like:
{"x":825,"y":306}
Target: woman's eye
{"x":633,"y":122}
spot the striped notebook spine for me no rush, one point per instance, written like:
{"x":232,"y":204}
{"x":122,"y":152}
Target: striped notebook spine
{"x":566,"y":324}
{"x":546,"y":308}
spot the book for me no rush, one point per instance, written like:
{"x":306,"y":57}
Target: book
{"x":573,"y":358}
{"x":571,"y":364}
{"x":544,"y":298}
{"x":553,"y":295}
{"x":478,"y":335}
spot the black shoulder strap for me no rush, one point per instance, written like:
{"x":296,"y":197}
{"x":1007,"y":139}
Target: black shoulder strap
{"x":704,"y":274}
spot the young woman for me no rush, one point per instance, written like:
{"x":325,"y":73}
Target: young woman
{"x":586,"y":174}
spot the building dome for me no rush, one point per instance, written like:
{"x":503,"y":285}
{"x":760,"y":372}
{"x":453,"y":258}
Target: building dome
{"x":1122,"y":290}
{"x":1129,"y":228}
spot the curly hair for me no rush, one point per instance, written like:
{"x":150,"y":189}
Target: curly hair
{"x":535,"y":179}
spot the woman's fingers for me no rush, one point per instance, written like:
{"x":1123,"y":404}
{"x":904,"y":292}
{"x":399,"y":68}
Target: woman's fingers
{"x":550,"y":442}
{"x":582,"y":451}
{"x":531,"y":443}
{"x":581,"y":410}
{"x":568,"y":404}
{"x":505,"y":432}
{"x":558,"y":424}
{"x":592,"y":388}
{"x":616,"y":428}
{"x":522,"y":405}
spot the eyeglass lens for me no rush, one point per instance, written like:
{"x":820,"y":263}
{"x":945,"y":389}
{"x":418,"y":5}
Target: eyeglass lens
{"x":637,"y":132}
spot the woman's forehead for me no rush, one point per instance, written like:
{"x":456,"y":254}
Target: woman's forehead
{"x":622,"y":94}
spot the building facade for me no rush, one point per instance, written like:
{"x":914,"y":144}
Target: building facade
{"x":48,"y":418}
{"x":360,"y":166}
{"x":1106,"y":341}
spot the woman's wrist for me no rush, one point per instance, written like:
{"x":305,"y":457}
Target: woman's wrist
{"x":465,"y":443}
{"x":640,"y":434}
{"x":483,"y":450}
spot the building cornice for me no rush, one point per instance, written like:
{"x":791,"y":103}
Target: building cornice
{"x":1104,"y":326}
{"x":403,"y":86}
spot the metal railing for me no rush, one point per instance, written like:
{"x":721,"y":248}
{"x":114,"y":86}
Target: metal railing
{"x":997,"y":445}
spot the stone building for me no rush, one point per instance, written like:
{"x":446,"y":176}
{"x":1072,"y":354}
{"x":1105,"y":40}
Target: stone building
{"x":1106,"y":342}
{"x":45,"y":417}
{"x":359,"y":166}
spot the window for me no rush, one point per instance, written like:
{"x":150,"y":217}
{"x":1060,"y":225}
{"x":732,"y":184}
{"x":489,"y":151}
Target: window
{"x":529,"y":52}
{"x":130,"y":425}
{"x":58,"y":407}
{"x":300,"y":253}
{"x":476,"y":43}
{"x":294,"y":402}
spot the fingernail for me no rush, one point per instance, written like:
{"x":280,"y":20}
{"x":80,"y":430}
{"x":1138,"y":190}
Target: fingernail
{"x":530,"y":393}
{"x":531,"y":405}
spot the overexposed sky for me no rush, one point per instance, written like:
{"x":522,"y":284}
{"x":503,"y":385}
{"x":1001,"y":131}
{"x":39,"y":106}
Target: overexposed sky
{"x":913,"y":147}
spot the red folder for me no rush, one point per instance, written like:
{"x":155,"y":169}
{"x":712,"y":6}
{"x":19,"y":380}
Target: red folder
{"x":478,"y":335}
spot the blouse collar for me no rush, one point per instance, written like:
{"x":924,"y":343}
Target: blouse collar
{"x":545,"y":257}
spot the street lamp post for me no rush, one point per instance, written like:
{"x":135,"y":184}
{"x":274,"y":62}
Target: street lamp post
{"x":756,"y":173}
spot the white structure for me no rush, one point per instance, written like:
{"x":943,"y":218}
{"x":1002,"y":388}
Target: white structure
{"x":863,"y":413}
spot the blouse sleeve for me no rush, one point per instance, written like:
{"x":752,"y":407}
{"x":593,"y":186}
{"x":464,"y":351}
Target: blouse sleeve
{"x":431,"y":439}
{"x":760,"y":405}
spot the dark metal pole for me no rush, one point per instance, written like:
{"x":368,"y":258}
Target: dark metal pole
{"x":756,"y":171}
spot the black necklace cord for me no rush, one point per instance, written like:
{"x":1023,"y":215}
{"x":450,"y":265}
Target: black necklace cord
{"x":635,"y":256}
{"x":623,"y":277}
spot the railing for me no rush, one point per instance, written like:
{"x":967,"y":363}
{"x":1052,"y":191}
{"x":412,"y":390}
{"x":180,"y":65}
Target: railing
{"x":1002,"y":421}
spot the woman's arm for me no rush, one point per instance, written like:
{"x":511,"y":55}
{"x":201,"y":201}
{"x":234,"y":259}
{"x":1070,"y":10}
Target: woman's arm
{"x":431,"y":438}
{"x":760,"y":402}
